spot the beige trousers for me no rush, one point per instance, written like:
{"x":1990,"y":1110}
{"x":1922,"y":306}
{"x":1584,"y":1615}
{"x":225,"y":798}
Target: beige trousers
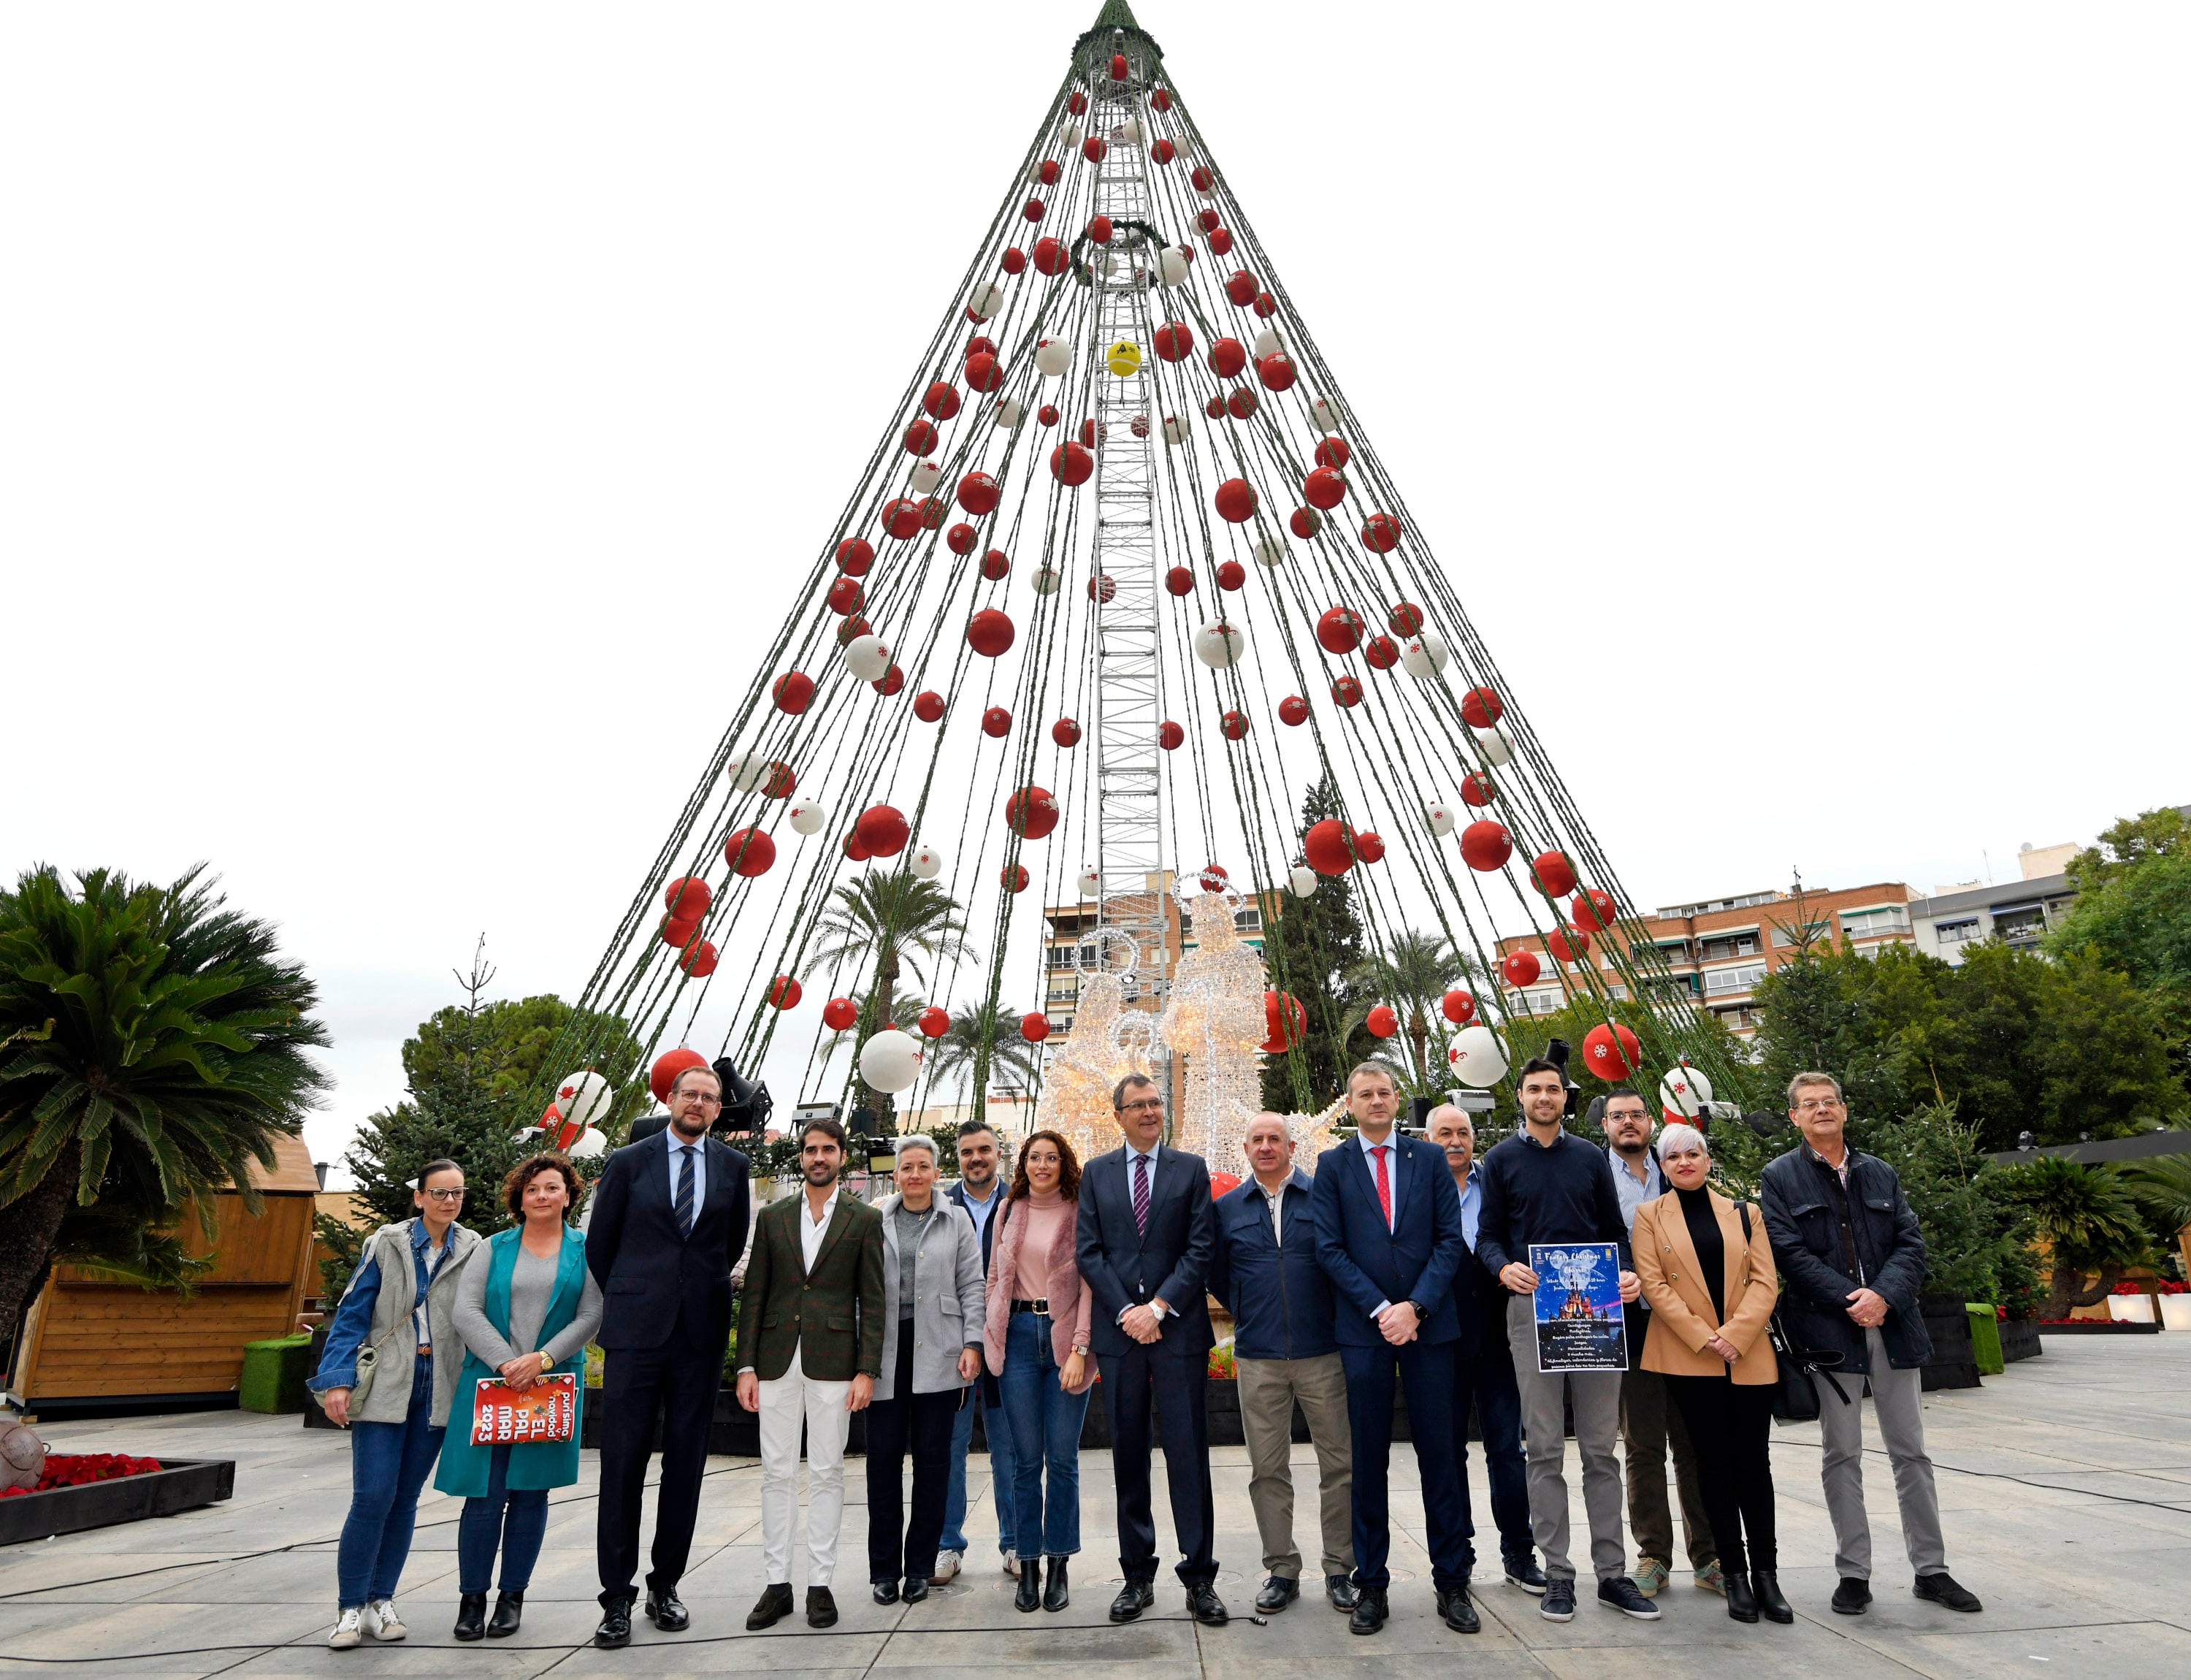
{"x":1268,"y":1390}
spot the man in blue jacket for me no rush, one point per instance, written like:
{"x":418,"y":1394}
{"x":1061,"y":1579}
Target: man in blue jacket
{"x":980,"y":1194}
{"x":1285,"y":1350}
{"x":1388,"y":1236}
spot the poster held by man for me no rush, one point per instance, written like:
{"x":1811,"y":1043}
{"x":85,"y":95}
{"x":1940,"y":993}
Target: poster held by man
{"x":1579,"y":1324}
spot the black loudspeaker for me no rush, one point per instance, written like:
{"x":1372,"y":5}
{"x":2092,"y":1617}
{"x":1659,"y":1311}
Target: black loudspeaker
{"x":747,"y":1104}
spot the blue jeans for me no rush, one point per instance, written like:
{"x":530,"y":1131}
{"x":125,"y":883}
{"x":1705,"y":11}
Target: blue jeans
{"x":1044,"y":1422}
{"x":389,"y":1463}
{"x":996,"y":1422}
{"x":483,"y":1523}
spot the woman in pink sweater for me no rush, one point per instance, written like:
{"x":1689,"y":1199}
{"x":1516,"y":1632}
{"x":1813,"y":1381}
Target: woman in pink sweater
{"x":1036,"y":1337}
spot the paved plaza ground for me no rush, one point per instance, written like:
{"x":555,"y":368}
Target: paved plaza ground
{"x":2066,"y":1486}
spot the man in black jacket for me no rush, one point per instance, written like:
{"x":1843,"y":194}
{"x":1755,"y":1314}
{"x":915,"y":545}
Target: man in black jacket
{"x":669,"y":1218}
{"x":1852,"y":1263}
{"x":980,"y":1194}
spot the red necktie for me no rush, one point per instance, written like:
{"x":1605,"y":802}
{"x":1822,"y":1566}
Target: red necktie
{"x":1384,"y":1183}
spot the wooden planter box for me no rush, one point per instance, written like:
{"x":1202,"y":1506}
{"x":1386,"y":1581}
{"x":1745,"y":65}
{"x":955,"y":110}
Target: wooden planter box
{"x":2020,"y":1340}
{"x":184,"y":1485}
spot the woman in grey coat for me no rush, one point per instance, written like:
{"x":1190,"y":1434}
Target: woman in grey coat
{"x":932,"y":1305}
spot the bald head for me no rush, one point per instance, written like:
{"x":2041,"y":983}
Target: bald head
{"x":1453,"y":1131}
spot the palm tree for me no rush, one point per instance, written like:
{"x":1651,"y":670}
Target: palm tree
{"x":151,"y":1044}
{"x":1413,"y":975}
{"x":2089,"y":1223}
{"x":2162,"y":1186}
{"x":896,"y":921}
{"x":977,"y":1035}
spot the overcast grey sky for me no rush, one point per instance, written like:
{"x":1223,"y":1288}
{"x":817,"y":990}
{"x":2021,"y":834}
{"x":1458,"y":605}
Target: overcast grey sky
{"x":413,"y":418}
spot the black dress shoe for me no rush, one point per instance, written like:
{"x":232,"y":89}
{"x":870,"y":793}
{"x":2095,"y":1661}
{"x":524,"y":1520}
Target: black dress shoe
{"x":508,"y":1611}
{"x":1852,"y":1597}
{"x":1206,"y":1606}
{"x":916,"y":1589}
{"x":1027,"y":1596}
{"x":1764,"y":1587}
{"x":615,"y":1630}
{"x":1278,"y":1592}
{"x":1369,"y":1611}
{"x":887,"y":1593}
{"x":1133,"y":1597}
{"x":1741,"y":1602}
{"x":471,"y":1617}
{"x":1057,"y":1591}
{"x":1460,"y":1614}
{"x":1941,"y":1588}
{"x":821,"y":1607}
{"x":1342,"y":1592}
{"x":665,"y":1611}
{"x":773,"y":1605}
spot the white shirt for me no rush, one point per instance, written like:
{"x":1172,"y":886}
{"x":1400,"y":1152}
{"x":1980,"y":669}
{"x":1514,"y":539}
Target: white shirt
{"x":699,"y":1171}
{"x":1276,"y":1201}
{"x":1634,"y":1191}
{"x":810,"y":1229}
{"x":1150,"y":1156}
{"x":1390,"y":1142}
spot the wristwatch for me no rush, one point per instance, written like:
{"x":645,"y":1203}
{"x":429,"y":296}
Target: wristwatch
{"x":546,"y":1362}
{"x":1082,"y":1352}
{"x":1422,"y":1312}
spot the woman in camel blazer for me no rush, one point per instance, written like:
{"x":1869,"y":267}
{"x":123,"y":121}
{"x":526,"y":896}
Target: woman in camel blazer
{"x":1711,"y":1293}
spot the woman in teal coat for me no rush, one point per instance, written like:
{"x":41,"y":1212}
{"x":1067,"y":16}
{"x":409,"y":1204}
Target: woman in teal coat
{"x":527,"y":1309}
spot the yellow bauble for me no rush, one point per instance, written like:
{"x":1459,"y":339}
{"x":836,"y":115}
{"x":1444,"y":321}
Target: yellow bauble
{"x":1124,"y":358}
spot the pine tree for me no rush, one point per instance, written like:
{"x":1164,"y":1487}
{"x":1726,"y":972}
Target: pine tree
{"x":1308,"y":951}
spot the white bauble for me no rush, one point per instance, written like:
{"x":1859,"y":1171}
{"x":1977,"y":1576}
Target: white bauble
{"x":749,"y":770}
{"x":1494,"y":745}
{"x":868,"y":658}
{"x":1441,"y":817}
{"x":1425,"y":655}
{"x":1175,"y":429}
{"x":1685,"y":1091}
{"x":1269,"y":551}
{"x":1302,"y":879}
{"x":926,"y":862}
{"x":1219,"y":645}
{"x":808,"y":817}
{"x":1072,"y":135}
{"x":1475,"y":1056}
{"x":1047,"y":580}
{"x":1268,"y":342}
{"x":1091,"y":879}
{"x":589,"y":1144}
{"x":1052,"y":357}
{"x":1174,"y":263}
{"x":890,"y":1061}
{"x":1325,"y":414}
{"x":1008,"y":413}
{"x":988,"y":298}
{"x":583,"y":1098}
{"x":1129,"y":132}
{"x":925,"y":477}
{"x":1110,"y":262}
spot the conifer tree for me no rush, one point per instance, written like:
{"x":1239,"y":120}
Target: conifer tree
{"x":1308,"y":950}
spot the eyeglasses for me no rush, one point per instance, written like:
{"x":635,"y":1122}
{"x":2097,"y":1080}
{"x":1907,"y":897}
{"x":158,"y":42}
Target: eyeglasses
{"x":1811,"y":1105}
{"x":455,"y":1195}
{"x":1145,"y":1102}
{"x":700,"y":1097}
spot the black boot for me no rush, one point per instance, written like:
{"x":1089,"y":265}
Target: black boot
{"x":471,"y":1616}
{"x":1741,"y":1603}
{"x":1057,"y":1592}
{"x":509,"y":1611}
{"x":1765,"y":1585}
{"x":1029,"y":1595}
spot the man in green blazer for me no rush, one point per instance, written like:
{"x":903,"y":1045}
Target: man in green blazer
{"x":810,"y":1349}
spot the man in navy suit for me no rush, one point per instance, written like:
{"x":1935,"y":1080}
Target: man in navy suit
{"x":668,"y":1222}
{"x":1388,"y":1236}
{"x":1144,"y":1232}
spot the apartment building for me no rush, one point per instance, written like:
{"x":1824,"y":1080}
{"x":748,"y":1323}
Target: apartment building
{"x":2017,"y":913}
{"x":1143,"y":913}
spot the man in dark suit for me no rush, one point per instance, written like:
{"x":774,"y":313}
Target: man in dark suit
{"x":669,"y":1222}
{"x":1144,"y":1233}
{"x":980,"y":1194}
{"x":1388,"y":1236}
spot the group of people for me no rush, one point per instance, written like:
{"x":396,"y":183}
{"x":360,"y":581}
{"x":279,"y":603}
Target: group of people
{"x":1397,"y":1277}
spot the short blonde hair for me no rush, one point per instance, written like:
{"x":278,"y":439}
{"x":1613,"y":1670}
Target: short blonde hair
{"x":1680,"y":1136}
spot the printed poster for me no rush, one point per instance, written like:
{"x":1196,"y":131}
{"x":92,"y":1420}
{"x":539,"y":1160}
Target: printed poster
{"x":1579,"y":1324}
{"x":547,"y":1411}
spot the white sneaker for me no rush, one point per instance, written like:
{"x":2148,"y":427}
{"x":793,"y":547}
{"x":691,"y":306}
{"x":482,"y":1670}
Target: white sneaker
{"x":382,"y":1622}
{"x":1011,"y":1566}
{"x":947,"y":1564}
{"x":346,"y":1633}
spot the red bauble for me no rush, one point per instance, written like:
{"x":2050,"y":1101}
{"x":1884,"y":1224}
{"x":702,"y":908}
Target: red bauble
{"x":1477,"y":788}
{"x":996,"y":565}
{"x":1220,"y":241}
{"x":748,"y":851}
{"x":1099,"y":229}
{"x":1174,"y":340}
{"x":1066,"y":733}
{"x":1552,"y":874}
{"x":883,"y":829}
{"x":891,"y":681}
{"x":1323,"y":489}
{"x":1103,"y":587}
{"x":1078,"y":104}
{"x":931,"y":513}
{"x":1591,"y":909}
{"x":688,"y":897}
{"x":1032,"y":209}
{"x":901,"y":517}
{"x":1240,"y":286}
{"x":1093,"y":149}
{"x":1521,"y":968}
{"x":1215,"y":408}
{"x":961,"y":539}
{"x":989,"y":632}
{"x":1304,"y":522}
{"x":1332,"y":451}
{"x":1180,"y":581}
{"x":1232,"y":575}
{"x":1161,"y":99}
{"x":996,"y":723}
{"x":794,"y":692}
{"x":983,"y":371}
{"x":1235,"y":725}
{"x":1013,"y":878}
{"x":1486,"y":845}
{"x":1050,"y":256}
{"x":666,"y":1068}
{"x":1380,"y":533}
{"x":1118,"y":66}
{"x":1286,"y":1021}
{"x":846,"y":596}
{"x":1047,"y":415}
{"x":677,"y":931}
{"x":941,"y":400}
{"x":1382,"y":1020}
{"x":1457,"y":1006}
{"x":1202,"y":180}
{"x":1610,"y":1052}
{"x":1480,"y":708}
{"x":1405,"y":619}
{"x":1328,"y":846}
{"x":1381,"y":653}
{"x":1209,"y":219}
{"x":1092,"y":434}
{"x":1071,"y":462}
{"x":1293,"y":711}
{"x":1236,"y":501}
{"x":855,"y":555}
{"x":1339,"y":630}
{"x":855,"y":850}
{"x":978,"y":493}
{"x":1015,"y":259}
{"x":1163,"y":151}
{"x":928,"y":705}
{"x":1347,"y":691}
{"x":1227,"y":356}
{"x":1169,"y":736}
{"x":1048,"y":171}
{"x":1266,"y":305}
{"x":1241,"y":404}
{"x":839,"y":1013}
{"x":785,"y":992}
{"x":920,"y":437}
{"x":852,"y":630}
{"x":1032,"y":813}
{"x":1034,"y":1026}
{"x":1568,"y":943}
{"x":1277,"y":373}
{"x":935,"y":1021}
{"x":780,"y":780}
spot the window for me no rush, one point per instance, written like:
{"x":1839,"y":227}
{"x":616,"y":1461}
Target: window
{"x":1740,"y":979}
{"x":1061,"y":956}
{"x":2028,"y":923}
{"x":1954,"y":933}
{"x":1742,"y":1018}
{"x":1871,"y":923}
{"x":1730,"y":945}
{"x":1248,"y":920}
{"x":1783,"y":937}
{"x":1617,"y":990}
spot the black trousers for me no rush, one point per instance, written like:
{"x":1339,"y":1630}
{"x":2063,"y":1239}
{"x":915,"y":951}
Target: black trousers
{"x":1176,"y":1381}
{"x":921,"y":1424}
{"x":678,"y":1381}
{"x":1732,"y":1425}
{"x":1427,"y":1373}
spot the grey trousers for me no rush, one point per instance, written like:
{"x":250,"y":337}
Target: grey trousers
{"x":1596,"y":1399}
{"x":1648,"y":1425}
{"x":1895,"y":1400}
{"x":1268,"y":1389}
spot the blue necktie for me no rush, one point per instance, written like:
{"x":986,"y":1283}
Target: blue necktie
{"x":684,"y":1207}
